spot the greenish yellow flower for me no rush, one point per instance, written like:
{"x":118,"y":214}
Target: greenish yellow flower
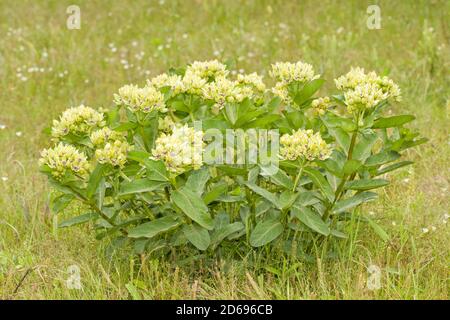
{"x":223,"y":90}
{"x":165,"y":124}
{"x":105,"y":135}
{"x":114,"y":153}
{"x":180,"y":150}
{"x":253,"y":81}
{"x":146,"y":99}
{"x":363,"y":91}
{"x":175,"y":82}
{"x":193,"y":83}
{"x":321,"y":105}
{"x":287,"y":72}
{"x":208,"y":69}
{"x":65,"y":158}
{"x":77,"y":120}
{"x":364,"y":96}
{"x":304,"y":144}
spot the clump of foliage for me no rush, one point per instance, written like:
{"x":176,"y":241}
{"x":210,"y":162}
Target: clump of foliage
{"x":139,"y":168}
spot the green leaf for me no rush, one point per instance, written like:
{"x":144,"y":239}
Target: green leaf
{"x":193,"y":206}
{"x":394,"y":121}
{"x":156,"y":170}
{"x":382,"y":158}
{"x":342,"y":137}
{"x":216,"y":191}
{"x":364,"y":146}
{"x":318,"y":179}
{"x":351,"y":166}
{"x":198,"y":236}
{"x":140,"y":185}
{"x":139,"y":156}
{"x":265,"y":232}
{"x":308,"y":91}
{"x":152,"y":228}
{"x":78,"y":220}
{"x":225,"y":231}
{"x":354,"y":201}
{"x":197,"y":180}
{"x":378,"y":229}
{"x":94,"y":180}
{"x":393,"y":167}
{"x":60,"y":203}
{"x":265,"y":194}
{"x":311,"y":219}
{"x":366,"y":184}
{"x":280,"y":178}
{"x":287,"y":198}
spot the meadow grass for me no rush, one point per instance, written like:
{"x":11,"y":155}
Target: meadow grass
{"x":45,"y":68}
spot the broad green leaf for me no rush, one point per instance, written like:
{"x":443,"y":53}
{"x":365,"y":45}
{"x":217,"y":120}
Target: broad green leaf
{"x":363,"y":147}
{"x":125,"y":126}
{"x":354,"y":201}
{"x":307,"y":198}
{"x":382,"y":158}
{"x":138,"y":155}
{"x":308,"y":91}
{"x":366,"y":184}
{"x":265,"y":194}
{"x":265,"y":232}
{"x":394,"y":121}
{"x":378,"y":229}
{"x":140,"y":185}
{"x":225,"y":231}
{"x":193,"y":206}
{"x":78,"y":220}
{"x":342,"y":137}
{"x":198,"y":236}
{"x":393,"y":167}
{"x":101,"y":192}
{"x":318,"y":179}
{"x":152,"y":228}
{"x":216,"y":191}
{"x":351,"y":166}
{"x":156,"y":170}
{"x":197,"y":180}
{"x":287,"y":198}
{"x":60,"y":203}
{"x":280,"y":178}
{"x":94,"y":180}
{"x":311,"y":219}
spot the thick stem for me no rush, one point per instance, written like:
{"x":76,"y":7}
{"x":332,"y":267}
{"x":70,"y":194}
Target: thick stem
{"x":297,"y":178}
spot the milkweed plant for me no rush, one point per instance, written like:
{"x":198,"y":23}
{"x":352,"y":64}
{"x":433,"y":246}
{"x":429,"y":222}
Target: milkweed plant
{"x":180,"y":161}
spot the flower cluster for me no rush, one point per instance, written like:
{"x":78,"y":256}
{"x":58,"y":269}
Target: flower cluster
{"x":321,"y":105}
{"x":65,"y":158}
{"x":208,"y":69}
{"x":223,"y":90}
{"x":166,"y":124}
{"x":180,"y":150}
{"x":304,"y":144}
{"x":364,"y":91}
{"x":286,"y":73}
{"x":146,"y":99}
{"x":105,"y":135}
{"x":173,"y":81}
{"x":77,"y":120}
{"x":252,"y":80}
{"x":114,"y":153}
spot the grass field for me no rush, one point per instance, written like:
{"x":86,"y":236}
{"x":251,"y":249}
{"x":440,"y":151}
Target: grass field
{"x":45,"y":68}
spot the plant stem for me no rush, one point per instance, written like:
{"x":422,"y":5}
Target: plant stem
{"x":297,"y":178}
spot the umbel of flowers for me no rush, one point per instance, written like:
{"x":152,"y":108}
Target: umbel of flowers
{"x":138,"y":167}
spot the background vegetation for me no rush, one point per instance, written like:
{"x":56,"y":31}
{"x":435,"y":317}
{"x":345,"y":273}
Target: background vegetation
{"x":46,"y":68}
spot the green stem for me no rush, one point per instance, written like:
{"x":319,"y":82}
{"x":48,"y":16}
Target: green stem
{"x":297,"y":178}
{"x":97,"y":209}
